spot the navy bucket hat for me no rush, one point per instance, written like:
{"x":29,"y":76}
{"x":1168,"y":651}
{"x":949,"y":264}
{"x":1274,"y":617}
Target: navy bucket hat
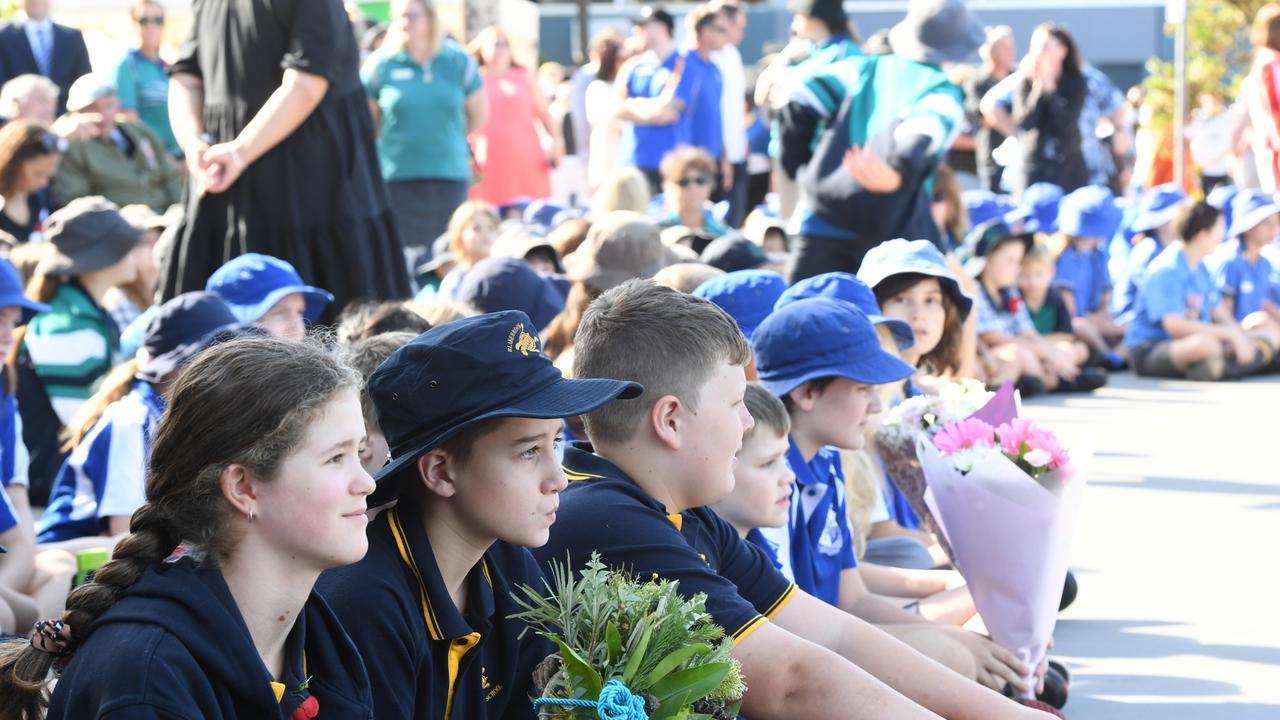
{"x":468,"y":371}
{"x":821,"y":337}
{"x":912,"y":257}
{"x":843,"y":286}
{"x":504,"y":283}
{"x":181,"y":328}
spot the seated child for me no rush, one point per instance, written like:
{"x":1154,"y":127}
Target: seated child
{"x":1005,"y":326}
{"x":269,"y":293}
{"x":640,"y":496}
{"x":472,"y":415}
{"x":1180,"y":328}
{"x":1048,"y":310}
{"x":1242,"y":273}
{"x":103,"y":480}
{"x":1153,"y":230}
{"x":472,"y":231}
{"x":365,"y":356}
{"x":1088,"y":217}
{"x":762,"y":479}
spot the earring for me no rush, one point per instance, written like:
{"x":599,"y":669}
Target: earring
{"x":250,"y":517}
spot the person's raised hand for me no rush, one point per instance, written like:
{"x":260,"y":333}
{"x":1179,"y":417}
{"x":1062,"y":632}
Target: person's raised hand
{"x":872,"y":173}
{"x":74,"y":127}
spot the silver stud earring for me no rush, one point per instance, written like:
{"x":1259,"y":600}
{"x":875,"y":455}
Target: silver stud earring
{"x":250,"y":517}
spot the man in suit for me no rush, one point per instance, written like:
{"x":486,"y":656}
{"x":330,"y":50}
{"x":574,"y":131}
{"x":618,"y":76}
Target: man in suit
{"x":35,"y":44}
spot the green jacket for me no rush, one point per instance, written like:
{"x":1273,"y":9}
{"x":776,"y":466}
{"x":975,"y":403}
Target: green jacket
{"x":98,"y":167}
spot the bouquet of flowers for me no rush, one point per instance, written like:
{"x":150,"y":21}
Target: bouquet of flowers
{"x":1006,"y":495}
{"x":924,"y":415}
{"x":629,"y":650}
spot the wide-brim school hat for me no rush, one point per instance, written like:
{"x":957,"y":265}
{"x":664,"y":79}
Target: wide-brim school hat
{"x":1249,"y":208}
{"x":469,"y":371}
{"x":986,"y":239}
{"x":915,"y":257}
{"x":184,"y":326}
{"x":1090,"y":212}
{"x":252,"y":283}
{"x":984,"y":205}
{"x":821,"y":337}
{"x":620,"y":246}
{"x":1039,"y":208}
{"x":1157,"y":207}
{"x":936,"y":32}
{"x":87,"y":234}
{"x":748,"y":296}
{"x":847,"y":287}
{"x":11,"y":294}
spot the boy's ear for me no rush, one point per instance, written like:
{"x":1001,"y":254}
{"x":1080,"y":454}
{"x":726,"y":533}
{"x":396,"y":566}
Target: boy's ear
{"x":435,"y":472}
{"x":804,"y":397}
{"x":666,"y":417}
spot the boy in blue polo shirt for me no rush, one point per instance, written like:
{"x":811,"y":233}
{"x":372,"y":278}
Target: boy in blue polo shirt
{"x":1087,"y":218}
{"x":639,"y":498}
{"x":1180,"y":327}
{"x":1154,"y":221}
{"x":472,"y":414}
{"x":1242,"y":273}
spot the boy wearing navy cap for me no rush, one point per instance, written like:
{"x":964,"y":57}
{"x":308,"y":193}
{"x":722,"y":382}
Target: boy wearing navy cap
{"x":639,"y":498}
{"x":472,"y":414}
{"x":1242,"y":273}
{"x":269,"y":293}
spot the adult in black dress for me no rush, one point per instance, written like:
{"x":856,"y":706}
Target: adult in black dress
{"x":266,"y":100}
{"x":1046,"y":108}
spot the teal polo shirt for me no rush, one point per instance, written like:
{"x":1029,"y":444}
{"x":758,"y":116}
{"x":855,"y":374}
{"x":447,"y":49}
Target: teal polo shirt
{"x":142,"y":85}
{"x":423,"y":132}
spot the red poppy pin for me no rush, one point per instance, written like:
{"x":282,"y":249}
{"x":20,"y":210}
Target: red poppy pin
{"x":307,"y":710}
{"x":1015,"y":303}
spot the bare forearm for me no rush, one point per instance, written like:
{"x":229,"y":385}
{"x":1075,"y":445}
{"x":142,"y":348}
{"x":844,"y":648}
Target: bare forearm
{"x":17,"y":565}
{"x":882,"y":611}
{"x":186,"y":108}
{"x":298,"y":95}
{"x":902,"y":582}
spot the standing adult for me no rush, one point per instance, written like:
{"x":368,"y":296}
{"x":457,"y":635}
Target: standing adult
{"x":425,"y":95}
{"x":579,"y":106}
{"x":998,"y":55}
{"x":28,"y":158}
{"x":1046,"y":109}
{"x":729,"y":61}
{"x":508,"y":151}
{"x":602,"y":103}
{"x":33,"y":43}
{"x":142,"y":78}
{"x":653,"y":95}
{"x":293,"y":174}
{"x":1262,"y":96}
{"x":702,"y":122}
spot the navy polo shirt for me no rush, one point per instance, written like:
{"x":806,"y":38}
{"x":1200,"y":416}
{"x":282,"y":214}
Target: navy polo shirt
{"x":425,"y":659}
{"x":603,"y":511}
{"x":816,"y":545}
{"x":1172,"y":287}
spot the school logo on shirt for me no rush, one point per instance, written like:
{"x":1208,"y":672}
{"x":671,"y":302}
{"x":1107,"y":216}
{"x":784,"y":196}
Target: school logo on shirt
{"x":522,"y":341}
{"x":1246,"y":287}
{"x":493,"y":690}
{"x":1194,"y":302}
{"x":832,"y":540}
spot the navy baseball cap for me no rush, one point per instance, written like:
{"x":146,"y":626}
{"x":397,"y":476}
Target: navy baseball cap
{"x":252,"y":283}
{"x":821,"y":337}
{"x":984,"y":205}
{"x":733,"y":252}
{"x":912,"y":257}
{"x":747,"y":296}
{"x":1039,"y":208}
{"x":468,"y":371}
{"x":843,"y":286}
{"x":1249,"y":208}
{"x":11,"y":294}
{"x":181,"y":328}
{"x":505,"y":283}
{"x":1090,"y":212}
{"x":1158,"y":206}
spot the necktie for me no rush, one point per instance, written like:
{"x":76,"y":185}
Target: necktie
{"x":43,"y":49}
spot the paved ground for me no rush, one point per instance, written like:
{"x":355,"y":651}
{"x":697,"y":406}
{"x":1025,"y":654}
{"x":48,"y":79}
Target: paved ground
{"x":1179,"y":610}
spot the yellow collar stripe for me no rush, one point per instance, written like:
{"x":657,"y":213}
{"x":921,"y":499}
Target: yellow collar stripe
{"x":406,"y":554}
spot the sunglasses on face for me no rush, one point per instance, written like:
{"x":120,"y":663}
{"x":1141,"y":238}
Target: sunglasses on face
{"x":700,"y":180}
{"x":157,"y":20}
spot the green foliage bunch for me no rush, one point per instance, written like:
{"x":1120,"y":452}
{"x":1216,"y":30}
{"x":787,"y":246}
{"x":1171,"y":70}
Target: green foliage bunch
{"x":610,"y":625}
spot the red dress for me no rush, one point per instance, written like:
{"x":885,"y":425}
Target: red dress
{"x":1262,"y":97}
{"x":508,"y":150}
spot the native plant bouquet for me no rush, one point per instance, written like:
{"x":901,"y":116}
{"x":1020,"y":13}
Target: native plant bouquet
{"x":628,"y":649}
{"x":1006,"y":495}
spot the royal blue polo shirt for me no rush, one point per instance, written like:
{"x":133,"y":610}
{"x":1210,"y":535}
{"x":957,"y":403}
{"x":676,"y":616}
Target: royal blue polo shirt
{"x":1247,"y":283}
{"x":1085,"y":275}
{"x":645,"y":145}
{"x":1172,"y":287}
{"x":604,"y":511}
{"x":13,"y":459}
{"x":816,"y":545}
{"x":701,"y":121}
{"x":1142,"y":255}
{"x":427,"y":660}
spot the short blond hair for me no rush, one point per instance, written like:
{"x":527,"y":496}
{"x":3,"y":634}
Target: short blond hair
{"x":625,"y":189}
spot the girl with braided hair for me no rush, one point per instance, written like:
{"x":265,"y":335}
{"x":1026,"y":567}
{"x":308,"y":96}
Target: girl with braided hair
{"x":206,"y":609}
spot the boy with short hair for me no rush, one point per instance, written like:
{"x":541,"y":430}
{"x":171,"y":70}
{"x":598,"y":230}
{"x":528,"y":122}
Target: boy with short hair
{"x":640,"y":496}
{"x":365,"y":355}
{"x":1242,"y":273}
{"x":762,"y":479}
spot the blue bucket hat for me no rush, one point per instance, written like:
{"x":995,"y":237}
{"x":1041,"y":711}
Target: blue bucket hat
{"x":252,"y":283}
{"x":984,"y":205}
{"x":1249,"y":208}
{"x":918,"y":257}
{"x":1221,"y":198}
{"x":11,"y":293}
{"x":746,"y":295}
{"x":181,"y":328}
{"x":843,"y":286}
{"x":504,"y":283}
{"x":468,"y":371}
{"x":1090,"y":212}
{"x":821,"y":337}
{"x":1157,"y":207}
{"x":1039,"y":208}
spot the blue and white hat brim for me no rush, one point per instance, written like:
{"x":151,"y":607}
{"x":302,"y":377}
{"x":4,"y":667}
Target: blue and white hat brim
{"x":903,"y":336}
{"x":878,"y":368}
{"x":1250,"y":220}
{"x":316,"y":300}
{"x":1153,"y":219}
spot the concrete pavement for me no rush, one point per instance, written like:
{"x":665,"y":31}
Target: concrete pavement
{"x":1178,"y":614}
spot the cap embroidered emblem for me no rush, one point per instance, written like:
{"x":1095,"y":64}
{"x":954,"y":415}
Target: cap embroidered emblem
{"x":520,"y":340}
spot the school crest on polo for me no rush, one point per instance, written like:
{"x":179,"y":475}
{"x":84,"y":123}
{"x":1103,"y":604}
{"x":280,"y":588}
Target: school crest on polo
{"x":520,"y":341}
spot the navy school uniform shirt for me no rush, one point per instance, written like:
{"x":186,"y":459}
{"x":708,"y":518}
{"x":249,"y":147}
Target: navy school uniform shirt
{"x":176,"y":646}
{"x":1051,"y":317}
{"x":816,"y":545}
{"x":604,"y":511}
{"x":1247,"y":283}
{"x":427,"y":660}
{"x":1172,"y":287}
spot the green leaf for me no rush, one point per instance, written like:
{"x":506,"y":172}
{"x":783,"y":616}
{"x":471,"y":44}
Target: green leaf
{"x":672,"y":708}
{"x":614,"y":641}
{"x":588,"y":679}
{"x":696,"y":682}
{"x":675,"y":660}
{"x":637,"y":656}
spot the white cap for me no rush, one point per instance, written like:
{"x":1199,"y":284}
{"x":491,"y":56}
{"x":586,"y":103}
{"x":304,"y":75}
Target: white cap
{"x":89,"y":89}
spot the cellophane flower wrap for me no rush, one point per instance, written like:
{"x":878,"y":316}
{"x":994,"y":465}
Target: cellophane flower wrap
{"x":615,"y":630}
{"x":917,"y":416}
{"x":1006,"y":494}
